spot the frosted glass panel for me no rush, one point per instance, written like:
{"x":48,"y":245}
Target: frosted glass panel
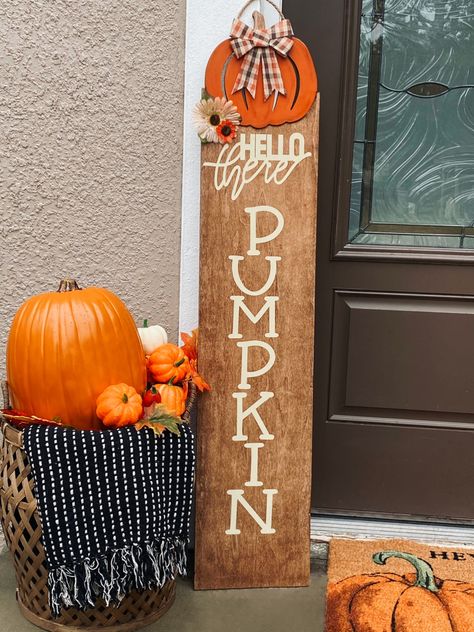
{"x":413,"y":163}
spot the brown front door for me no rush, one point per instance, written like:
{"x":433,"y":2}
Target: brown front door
{"x":394,"y":383}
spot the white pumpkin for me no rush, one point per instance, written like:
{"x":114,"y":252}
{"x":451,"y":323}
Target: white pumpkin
{"x":152,"y":337}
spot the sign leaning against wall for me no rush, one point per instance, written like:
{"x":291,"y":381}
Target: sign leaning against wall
{"x":259,"y":122}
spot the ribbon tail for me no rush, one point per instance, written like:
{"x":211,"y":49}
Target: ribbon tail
{"x":272,"y":79}
{"x":247,"y":77}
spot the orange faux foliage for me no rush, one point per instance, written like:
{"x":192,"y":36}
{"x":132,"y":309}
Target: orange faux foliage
{"x":158,"y":418}
{"x":196,"y":378}
{"x":190,"y":350}
{"x":189,"y":347}
{"x":20,"y":420}
{"x":153,"y":425}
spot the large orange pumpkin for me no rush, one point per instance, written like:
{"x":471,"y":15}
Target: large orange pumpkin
{"x":66,"y":347}
{"x":299,"y":79}
{"x":386,"y":602}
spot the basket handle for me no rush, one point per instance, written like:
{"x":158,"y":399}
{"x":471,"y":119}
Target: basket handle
{"x":10,"y":434}
{"x":192,"y":394}
{"x":249,"y":2}
{"x":5,"y":394}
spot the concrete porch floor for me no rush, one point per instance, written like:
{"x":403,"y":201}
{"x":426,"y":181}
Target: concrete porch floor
{"x":263,"y":610}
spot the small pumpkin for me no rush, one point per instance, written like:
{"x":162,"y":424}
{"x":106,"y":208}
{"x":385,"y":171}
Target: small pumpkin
{"x":168,"y":362}
{"x":385,"y":601}
{"x":152,"y":337}
{"x":119,"y":405}
{"x":173,"y":398}
{"x":299,"y":79}
{"x":66,"y":347}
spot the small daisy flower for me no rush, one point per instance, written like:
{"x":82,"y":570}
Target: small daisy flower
{"x":208,"y":114}
{"x":226,"y":131}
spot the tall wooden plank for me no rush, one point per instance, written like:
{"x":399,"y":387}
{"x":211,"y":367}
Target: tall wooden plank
{"x":257,"y":550}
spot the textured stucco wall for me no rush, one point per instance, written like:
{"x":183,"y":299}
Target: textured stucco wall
{"x":91,"y":95}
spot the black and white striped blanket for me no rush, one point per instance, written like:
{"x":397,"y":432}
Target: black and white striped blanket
{"x":114,"y":508}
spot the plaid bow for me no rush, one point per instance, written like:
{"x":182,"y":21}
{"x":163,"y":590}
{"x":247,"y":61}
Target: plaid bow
{"x":258,"y":46}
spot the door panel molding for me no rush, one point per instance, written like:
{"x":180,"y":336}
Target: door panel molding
{"x":376,"y":378}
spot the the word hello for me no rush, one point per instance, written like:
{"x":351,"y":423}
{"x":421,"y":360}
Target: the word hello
{"x":274,"y":157}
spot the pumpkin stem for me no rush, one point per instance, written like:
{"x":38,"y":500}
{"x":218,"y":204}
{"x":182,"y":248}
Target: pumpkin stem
{"x":258,"y":20}
{"x":180,"y":362}
{"x":145,"y":322}
{"x":68,"y":285}
{"x":424,"y":572}
{"x":125,"y":398}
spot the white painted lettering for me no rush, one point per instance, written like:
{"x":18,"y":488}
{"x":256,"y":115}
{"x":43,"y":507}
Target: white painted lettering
{"x":251,"y":410}
{"x":245,"y":373}
{"x":254,"y":448}
{"x":269,"y":304}
{"x":266,"y":286}
{"x":254,"y":240}
{"x":237,"y":496}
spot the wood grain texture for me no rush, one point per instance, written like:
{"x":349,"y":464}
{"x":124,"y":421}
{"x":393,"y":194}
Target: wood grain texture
{"x":253,"y":559}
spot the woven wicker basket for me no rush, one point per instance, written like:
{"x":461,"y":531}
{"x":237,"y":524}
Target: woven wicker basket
{"x":22,"y":531}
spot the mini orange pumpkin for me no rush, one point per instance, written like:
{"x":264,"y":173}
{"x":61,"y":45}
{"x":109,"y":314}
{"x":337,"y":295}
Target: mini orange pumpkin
{"x":173,"y":398}
{"x":299,"y":79}
{"x":386,"y":601}
{"x":66,"y":347}
{"x":168,"y":362}
{"x":119,"y":405}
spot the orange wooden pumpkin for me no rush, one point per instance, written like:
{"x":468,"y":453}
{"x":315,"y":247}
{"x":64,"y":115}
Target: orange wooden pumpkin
{"x":119,"y":405}
{"x":66,"y":347}
{"x":299,"y":79}
{"x":168,"y":362}
{"x":173,"y":398}
{"x":386,"y":601}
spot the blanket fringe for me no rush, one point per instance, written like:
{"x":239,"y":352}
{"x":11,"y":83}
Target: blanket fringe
{"x":137,"y":566}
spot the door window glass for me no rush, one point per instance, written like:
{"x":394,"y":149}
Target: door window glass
{"x":413,"y":157}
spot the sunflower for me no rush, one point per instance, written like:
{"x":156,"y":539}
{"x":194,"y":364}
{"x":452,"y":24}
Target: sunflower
{"x":226,"y":131}
{"x":208,"y":115}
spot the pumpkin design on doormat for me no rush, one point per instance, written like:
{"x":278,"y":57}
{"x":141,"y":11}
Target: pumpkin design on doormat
{"x":384,"y":601}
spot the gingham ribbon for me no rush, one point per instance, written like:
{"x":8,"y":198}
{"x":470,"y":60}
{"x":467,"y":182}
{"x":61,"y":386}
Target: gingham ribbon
{"x":258,"y":46}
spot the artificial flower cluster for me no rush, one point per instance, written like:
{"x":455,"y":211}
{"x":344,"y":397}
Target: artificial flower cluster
{"x":216,"y":120}
{"x":170,"y":369}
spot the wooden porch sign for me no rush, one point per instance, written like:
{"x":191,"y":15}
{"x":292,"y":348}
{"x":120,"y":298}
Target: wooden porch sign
{"x":257,"y":283}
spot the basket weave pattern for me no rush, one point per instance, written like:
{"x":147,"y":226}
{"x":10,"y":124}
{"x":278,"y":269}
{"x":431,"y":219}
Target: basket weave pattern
{"x":22,"y":529}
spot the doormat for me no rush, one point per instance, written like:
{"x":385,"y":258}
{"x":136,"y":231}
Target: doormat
{"x":399,"y":586}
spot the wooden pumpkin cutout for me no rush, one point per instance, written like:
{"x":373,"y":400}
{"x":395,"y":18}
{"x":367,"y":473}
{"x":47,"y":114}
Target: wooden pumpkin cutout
{"x":297,"y":71}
